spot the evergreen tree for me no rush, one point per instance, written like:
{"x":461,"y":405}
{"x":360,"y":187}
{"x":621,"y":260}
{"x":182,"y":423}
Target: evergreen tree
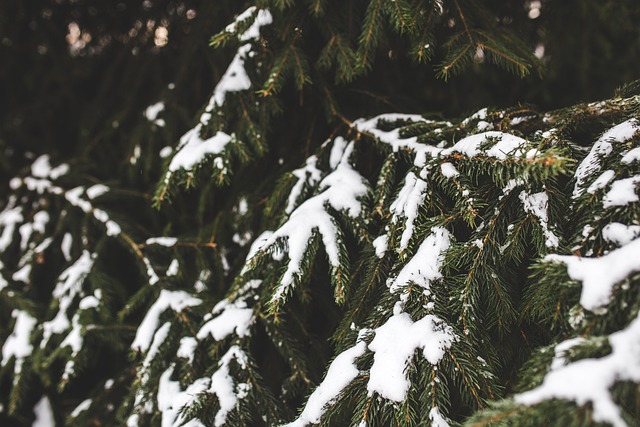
{"x":297,"y":254}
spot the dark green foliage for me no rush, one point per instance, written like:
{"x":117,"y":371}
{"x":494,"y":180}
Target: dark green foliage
{"x":239,"y":265}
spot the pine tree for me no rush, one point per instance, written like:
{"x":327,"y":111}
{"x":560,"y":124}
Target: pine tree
{"x":299,"y":255}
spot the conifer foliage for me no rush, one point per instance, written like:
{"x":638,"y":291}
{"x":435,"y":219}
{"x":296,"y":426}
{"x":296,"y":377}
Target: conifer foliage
{"x":409,"y":271}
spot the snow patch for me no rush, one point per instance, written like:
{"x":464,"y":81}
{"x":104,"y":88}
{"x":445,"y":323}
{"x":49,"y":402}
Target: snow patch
{"x":187,"y":348}
{"x":437,"y":419}
{"x":620,"y":234}
{"x":341,"y":372}
{"x":394,"y":345}
{"x":18,"y":344}
{"x":171,"y":399}
{"x":341,"y":189}
{"x":406,"y":206}
{"x":65,"y":246}
{"x":590,"y":380}
{"x":67,"y":289}
{"x":602,"y":148}
{"x":381,"y":244}
{"x":193,"y":149}
{"x":602,"y":181}
{"x":537,"y":204}
{"x":222,"y":384}
{"x":83,"y":406}
{"x":622,"y":192}
{"x":392,"y":138}
{"x":96,"y":191}
{"x":631,"y":156}
{"x":9,"y":218}
{"x":43,"y":413}
{"x":152,"y":112}
{"x":600,"y":275}
{"x":162,"y":241}
{"x":232,"y":317}
{"x":309,"y":175}
{"x":448,"y":170}
{"x":424,"y":267}
{"x":505,"y":144}
{"x":173,"y":268}
{"x":174,"y":300}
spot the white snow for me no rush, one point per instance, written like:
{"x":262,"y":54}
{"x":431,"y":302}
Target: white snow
{"x":406,"y":205}
{"x":257,"y":245}
{"x":200,"y":284}
{"x":165,"y":152}
{"x":602,"y":148}
{"x":18,"y":344}
{"x":243,"y":206}
{"x":9,"y":218}
{"x":174,"y":300}
{"x":341,"y":372}
{"x":91,"y":301}
{"x":602,"y":181}
{"x":448,"y":170}
{"x":83,"y":406}
{"x":424,"y":267}
{"x":43,"y":413}
{"x":40,"y":221}
{"x":381,"y":244}
{"x":40,"y":185}
{"x":622,"y":192}
{"x":173,"y":268}
{"x":590,"y":380}
{"x":482,"y":126}
{"x":162,"y":241}
{"x":599,"y":275}
{"x":193,"y":149}
{"x":96,"y":191}
{"x":478,"y":115}
{"x":68,"y":287}
{"x":41,"y":168}
{"x":171,"y":399}
{"x":133,"y":420}
{"x":159,"y":337}
{"x":222,"y":384}
{"x":235,"y":79}
{"x":113,"y":229}
{"x":65,"y":246}
{"x":153,"y":276}
{"x":561,"y":350}
{"x":437,"y":419}
{"x":263,"y":18}
{"x":341,"y":189}
{"x":152,"y":111}
{"x":394,"y":345}
{"x":74,"y":196}
{"x":22,"y":275}
{"x":631,"y":156}
{"x":187,"y":348}
{"x":232,"y":317}
{"x":392,"y":138}
{"x":309,"y":175}
{"x":620,"y":234}
{"x":74,"y":340}
{"x":242,"y":239}
{"x":537,"y":204}
{"x":505,"y":144}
